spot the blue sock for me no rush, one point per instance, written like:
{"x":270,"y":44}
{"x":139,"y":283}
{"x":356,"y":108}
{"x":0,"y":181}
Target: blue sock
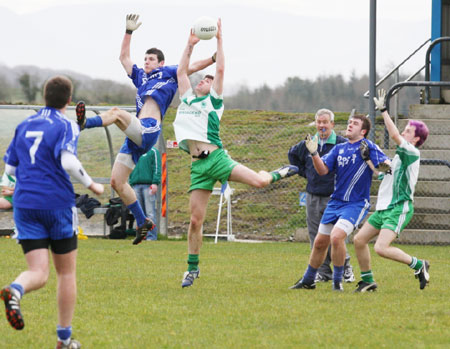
{"x":19,"y":288}
{"x":95,"y":121}
{"x":63,"y":333}
{"x":338,"y":273}
{"x":138,"y":213}
{"x":309,"y":275}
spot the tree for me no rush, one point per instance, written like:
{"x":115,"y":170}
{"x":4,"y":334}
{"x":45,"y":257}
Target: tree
{"x":29,"y":87}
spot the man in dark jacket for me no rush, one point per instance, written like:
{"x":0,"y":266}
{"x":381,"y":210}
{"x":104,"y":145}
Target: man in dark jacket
{"x":319,"y":188}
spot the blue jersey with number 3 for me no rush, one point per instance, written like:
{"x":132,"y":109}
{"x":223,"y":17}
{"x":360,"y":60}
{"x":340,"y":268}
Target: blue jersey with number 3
{"x":35,"y":151}
{"x":353,"y":176}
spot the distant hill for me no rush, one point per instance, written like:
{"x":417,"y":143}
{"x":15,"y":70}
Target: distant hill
{"x":295,"y":95}
{"x":93,"y":91}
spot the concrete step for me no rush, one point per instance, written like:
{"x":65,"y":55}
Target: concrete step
{"x":435,"y":126}
{"x":423,"y":188}
{"x":429,"y":111}
{"x":433,"y":142}
{"x":430,"y":221}
{"x":437,"y":142}
{"x":424,"y":237}
{"x":441,"y":154}
{"x":436,"y":205}
{"x":434,"y":173}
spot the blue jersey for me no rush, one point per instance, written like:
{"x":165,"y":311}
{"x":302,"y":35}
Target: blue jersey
{"x":161,"y":84}
{"x":353,"y":176}
{"x":35,"y":151}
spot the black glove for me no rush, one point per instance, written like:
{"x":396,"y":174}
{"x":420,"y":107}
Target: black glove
{"x":364,"y":149}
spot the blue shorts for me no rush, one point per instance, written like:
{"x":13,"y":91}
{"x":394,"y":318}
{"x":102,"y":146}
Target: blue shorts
{"x":34,"y":224}
{"x":150,"y":133}
{"x":354,"y":212}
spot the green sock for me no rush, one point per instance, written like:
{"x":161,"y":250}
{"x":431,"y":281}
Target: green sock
{"x":193,"y":261}
{"x":367,"y":276}
{"x":416,"y":264}
{"x":275,"y":176}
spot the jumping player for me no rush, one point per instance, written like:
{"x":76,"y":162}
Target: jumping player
{"x":394,"y":207}
{"x":41,"y":155}
{"x":349,"y":202}
{"x":196,"y":128}
{"x":156,"y":85}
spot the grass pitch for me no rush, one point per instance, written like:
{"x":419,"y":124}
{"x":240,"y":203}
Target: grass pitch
{"x":131,"y":297}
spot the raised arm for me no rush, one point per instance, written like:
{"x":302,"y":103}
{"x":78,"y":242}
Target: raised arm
{"x":183,"y":67}
{"x":319,"y":165}
{"x":380,"y":102}
{"x":125,"y":59}
{"x":220,"y":61}
{"x":203,"y":63}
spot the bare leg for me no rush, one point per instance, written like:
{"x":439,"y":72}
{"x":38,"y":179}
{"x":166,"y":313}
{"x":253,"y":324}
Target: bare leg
{"x":119,"y":181}
{"x":243,"y":174}
{"x":338,"y":250}
{"x":361,"y":242}
{"x":65,"y":265}
{"x":116,"y":116}
{"x":319,"y":250}
{"x":198,"y":203}
{"x":384,"y":249}
{"x":38,"y":270}
{"x":5,"y":204}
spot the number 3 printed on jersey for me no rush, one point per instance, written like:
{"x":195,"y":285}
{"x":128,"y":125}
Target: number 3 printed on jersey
{"x":37,"y":135}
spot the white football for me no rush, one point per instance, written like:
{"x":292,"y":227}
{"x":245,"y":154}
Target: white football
{"x":205,"y":28}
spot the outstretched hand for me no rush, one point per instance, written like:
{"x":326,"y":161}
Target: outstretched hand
{"x":365,"y":150}
{"x":132,"y":23}
{"x":219,"y":29}
{"x":380,"y":102}
{"x":311,"y":144}
{"x":193,"y":39}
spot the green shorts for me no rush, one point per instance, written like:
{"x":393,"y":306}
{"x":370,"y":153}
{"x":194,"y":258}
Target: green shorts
{"x":206,"y":172}
{"x":8,"y":198}
{"x":394,"y":219}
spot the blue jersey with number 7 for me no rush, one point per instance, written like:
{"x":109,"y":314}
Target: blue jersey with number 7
{"x":35,"y":151}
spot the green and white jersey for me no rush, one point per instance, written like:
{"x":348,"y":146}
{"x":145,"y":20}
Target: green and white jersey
{"x":399,"y":186}
{"x":198,"y":119}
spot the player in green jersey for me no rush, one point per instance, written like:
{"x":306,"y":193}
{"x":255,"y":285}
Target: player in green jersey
{"x":394,"y":207}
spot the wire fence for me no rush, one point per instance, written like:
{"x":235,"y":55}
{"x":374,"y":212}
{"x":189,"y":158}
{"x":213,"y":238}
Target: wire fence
{"x":260,"y":140}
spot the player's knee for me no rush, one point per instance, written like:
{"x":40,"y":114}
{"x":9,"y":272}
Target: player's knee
{"x":41,"y":277}
{"x":321,"y":244}
{"x":336,"y":240}
{"x":359,"y":241}
{"x":116,"y":184}
{"x":196,"y":222}
{"x":380,"y":249}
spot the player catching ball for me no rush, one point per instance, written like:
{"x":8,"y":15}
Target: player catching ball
{"x":197,"y":129}
{"x":156,"y":85}
{"x":394,"y":207}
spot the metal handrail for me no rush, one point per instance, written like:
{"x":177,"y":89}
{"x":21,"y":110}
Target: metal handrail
{"x":435,"y":162}
{"x":394,"y":88}
{"x":384,"y":78}
{"x":427,"y":64}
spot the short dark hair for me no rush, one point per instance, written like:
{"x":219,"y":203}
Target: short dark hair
{"x":57,"y":92}
{"x":159,"y":54}
{"x":207,"y":76}
{"x":365,"y":123}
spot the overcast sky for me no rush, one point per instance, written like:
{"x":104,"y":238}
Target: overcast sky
{"x":265,"y":41}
